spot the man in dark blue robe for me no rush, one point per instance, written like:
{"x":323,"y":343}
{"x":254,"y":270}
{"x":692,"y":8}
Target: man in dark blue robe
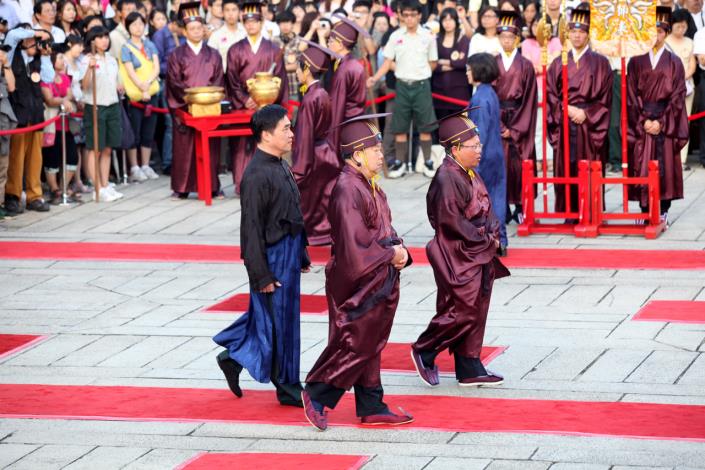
{"x":266,"y":339}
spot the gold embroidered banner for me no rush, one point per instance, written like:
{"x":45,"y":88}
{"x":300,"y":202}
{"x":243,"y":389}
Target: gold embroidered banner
{"x":622,"y":27}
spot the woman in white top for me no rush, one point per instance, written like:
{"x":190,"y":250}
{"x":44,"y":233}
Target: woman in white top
{"x":682,"y":46}
{"x":486,"y":39}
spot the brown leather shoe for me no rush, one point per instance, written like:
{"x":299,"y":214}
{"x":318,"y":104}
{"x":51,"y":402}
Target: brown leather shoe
{"x":482,"y":380}
{"x":387,"y":419}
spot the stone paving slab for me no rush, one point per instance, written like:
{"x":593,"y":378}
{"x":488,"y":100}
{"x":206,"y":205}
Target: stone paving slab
{"x":569,"y":335}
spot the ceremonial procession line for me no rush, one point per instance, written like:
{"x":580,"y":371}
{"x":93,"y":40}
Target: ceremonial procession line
{"x":106,"y":359}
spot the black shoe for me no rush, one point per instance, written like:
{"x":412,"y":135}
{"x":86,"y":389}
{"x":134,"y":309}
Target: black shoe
{"x":39,"y":205}
{"x":502,"y":251}
{"x":166,"y":171}
{"x":231,"y":370}
{"x":12,"y":206}
{"x":289,"y":394}
{"x":686,"y":168}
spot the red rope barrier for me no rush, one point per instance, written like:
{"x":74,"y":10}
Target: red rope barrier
{"x":695,"y":117}
{"x":448,"y":99}
{"x":145,"y":106}
{"x":36,"y":127}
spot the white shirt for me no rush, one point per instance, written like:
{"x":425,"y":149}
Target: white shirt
{"x":654,"y":58}
{"x":107,"y":78}
{"x":270,"y":29}
{"x":699,"y":19}
{"x":223,"y":37}
{"x":578,"y":55}
{"x":255,"y":45}
{"x":26,"y":11}
{"x":699,"y":45}
{"x":507,"y":61}
{"x":57,"y":34}
{"x":196,"y":48}
{"x":412,"y":53}
{"x":481,"y":43}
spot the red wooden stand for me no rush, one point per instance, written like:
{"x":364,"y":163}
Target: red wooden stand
{"x":651,"y":225}
{"x":593,"y":220}
{"x":206,"y":127}
{"x":532,"y":223}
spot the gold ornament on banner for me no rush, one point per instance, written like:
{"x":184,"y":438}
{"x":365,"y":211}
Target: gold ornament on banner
{"x":543,"y":32}
{"x":622,"y":28}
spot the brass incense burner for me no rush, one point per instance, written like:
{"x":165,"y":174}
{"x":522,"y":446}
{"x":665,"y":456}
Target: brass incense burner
{"x":263,"y":88}
{"x":204,"y":100}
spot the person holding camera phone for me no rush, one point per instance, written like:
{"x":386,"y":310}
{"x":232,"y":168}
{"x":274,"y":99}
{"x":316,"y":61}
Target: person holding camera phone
{"x":29,"y":60}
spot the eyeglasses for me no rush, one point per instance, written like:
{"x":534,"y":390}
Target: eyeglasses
{"x":476,"y":147}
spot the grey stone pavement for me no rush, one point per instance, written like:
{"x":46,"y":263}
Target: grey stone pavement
{"x":568,"y":333}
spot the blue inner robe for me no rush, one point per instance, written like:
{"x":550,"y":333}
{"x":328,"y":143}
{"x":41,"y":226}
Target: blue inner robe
{"x":249,"y":339}
{"x":492,"y":165}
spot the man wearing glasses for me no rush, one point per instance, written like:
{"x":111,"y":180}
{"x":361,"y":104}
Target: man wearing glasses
{"x":463,"y":255}
{"x":413,"y":52}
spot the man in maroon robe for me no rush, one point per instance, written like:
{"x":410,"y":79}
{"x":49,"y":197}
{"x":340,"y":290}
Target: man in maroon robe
{"x":517,"y":93}
{"x":658,"y":120}
{"x":463,"y":255}
{"x":362,"y":284}
{"x":316,"y":165}
{"x":245,"y":58}
{"x":347,"y":88}
{"x":589,"y":101}
{"x":190,"y":65}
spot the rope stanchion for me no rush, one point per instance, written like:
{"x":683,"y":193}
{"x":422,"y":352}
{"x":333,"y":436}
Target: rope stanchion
{"x":35,"y":127}
{"x":64,"y":179}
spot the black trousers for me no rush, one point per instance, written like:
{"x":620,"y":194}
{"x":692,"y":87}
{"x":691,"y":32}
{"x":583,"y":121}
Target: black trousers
{"x":465,"y":367}
{"x":368,"y":400}
{"x":698,"y":127}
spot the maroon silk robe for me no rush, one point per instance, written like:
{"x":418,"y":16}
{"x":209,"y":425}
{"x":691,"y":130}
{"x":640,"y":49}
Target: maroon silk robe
{"x":242,"y":65}
{"x":657,"y":94}
{"x":589,"y":88}
{"x":516,"y":90}
{"x":186,"y":70}
{"x":362,"y":286}
{"x":316,"y":166}
{"x":462,"y":254}
{"x":348,"y":94}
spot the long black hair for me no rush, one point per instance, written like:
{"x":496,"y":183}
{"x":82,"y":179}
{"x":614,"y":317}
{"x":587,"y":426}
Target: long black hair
{"x":453,"y":13}
{"x":94,"y":33}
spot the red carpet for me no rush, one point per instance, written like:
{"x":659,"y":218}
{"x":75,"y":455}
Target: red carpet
{"x":396,"y":357}
{"x":518,"y":257}
{"x":673,"y":311}
{"x":262,"y":461}
{"x":12,"y":344}
{"x":443,"y":413}
{"x":310,"y":305}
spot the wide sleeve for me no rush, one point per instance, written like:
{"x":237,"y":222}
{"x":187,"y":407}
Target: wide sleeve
{"x":235,"y":88}
{"x":280,"y":71}
{"x":448,"y":207}
{"x":175,"y":85}
{"x":523,"y":125}
{"x":635,"y":117}
{"x":674,"y":123}
{"x":481,"y":117}
{"x":218,"y":76}
{"x":253,"y":216}
{"x":303,"y":151}
{"x":554,"y":101}
{"x":598,"y":112}
{"x":356,"y":247}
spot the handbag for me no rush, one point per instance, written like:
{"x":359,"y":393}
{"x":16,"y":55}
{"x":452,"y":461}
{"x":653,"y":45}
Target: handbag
{"x":49,"y":132}
{"x":143,"y":72}
{"x":127,"y":140}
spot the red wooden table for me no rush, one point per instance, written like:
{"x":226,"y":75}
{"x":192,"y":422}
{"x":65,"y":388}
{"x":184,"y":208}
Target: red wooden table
{"x":205,"y":128}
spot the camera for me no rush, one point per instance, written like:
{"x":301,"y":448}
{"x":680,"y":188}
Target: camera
{"x":45,"y":44}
